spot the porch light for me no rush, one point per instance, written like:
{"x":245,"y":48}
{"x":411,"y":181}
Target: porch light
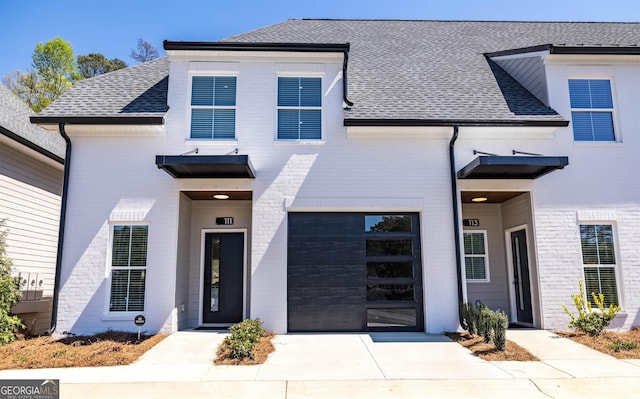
{"x":221,"y":196}
{"x":479,"y":199}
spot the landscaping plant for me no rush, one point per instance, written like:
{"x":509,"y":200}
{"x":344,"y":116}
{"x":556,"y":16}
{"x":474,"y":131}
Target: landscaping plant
{"x":490,"y":324}
{"x":588,"y":320}
{"x":244,"y":337}
{"x":9,"y":294}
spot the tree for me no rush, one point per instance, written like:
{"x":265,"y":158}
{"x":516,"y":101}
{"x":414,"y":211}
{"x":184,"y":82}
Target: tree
{"x":54,"y":70}
{"x":56,"y":64}
{"x":95,"y":64}
{"x":25,"y":86}
{"x":9,"y":294}
{"x":144,"y":51}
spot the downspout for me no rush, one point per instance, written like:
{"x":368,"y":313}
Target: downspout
{"x":456,"y":218}
{"x":345,"y":62}
{"x":63,"y":213}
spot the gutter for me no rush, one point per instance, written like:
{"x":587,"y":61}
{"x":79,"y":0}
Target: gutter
{"x":63,"y":213}
{"x":456,"y":219}
{"x":31,"y":145}
{"x":273,"y":46}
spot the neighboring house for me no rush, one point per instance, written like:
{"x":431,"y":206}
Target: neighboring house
{"x":356,"y":175}
{"x":31,"y":171}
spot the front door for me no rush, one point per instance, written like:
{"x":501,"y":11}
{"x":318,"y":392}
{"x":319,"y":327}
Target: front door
{"x":521,"y":279}
{"x":223,"y":278}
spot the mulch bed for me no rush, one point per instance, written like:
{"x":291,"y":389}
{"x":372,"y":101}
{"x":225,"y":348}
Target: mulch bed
{"x":621,"y":345}
{"x":476,"y":344}
{"x":112,"y":348}
{"x":260,"y":353}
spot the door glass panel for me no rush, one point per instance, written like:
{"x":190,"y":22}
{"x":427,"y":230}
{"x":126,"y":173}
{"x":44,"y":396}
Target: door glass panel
{"x":387,"y":223}
{"x":389,"y":269}
{"x":389,"y":292}
{"x":215,"y":275}
{"x":389,"y":247}
{"x":391,"y":317}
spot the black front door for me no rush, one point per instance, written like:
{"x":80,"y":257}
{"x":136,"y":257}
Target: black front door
{"x":521,"y":281}
{"x":223,"y":278}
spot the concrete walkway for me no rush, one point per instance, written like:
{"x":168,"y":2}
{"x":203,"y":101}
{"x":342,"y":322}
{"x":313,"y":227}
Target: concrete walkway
{"x":384,"y":365}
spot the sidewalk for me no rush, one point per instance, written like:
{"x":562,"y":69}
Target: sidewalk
{"x":385,"y":365}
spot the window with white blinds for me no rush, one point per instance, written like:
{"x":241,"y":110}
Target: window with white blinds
{"x":299,"y":108}
{"x":213,"y":107}
{"x":128,"y":268}
{"x":475,"y":256}
{"x":599,"y":260}
{"x":591,"y":109}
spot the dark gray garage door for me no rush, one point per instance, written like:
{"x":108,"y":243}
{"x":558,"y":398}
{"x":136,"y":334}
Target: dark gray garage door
{"x":354,"y":272}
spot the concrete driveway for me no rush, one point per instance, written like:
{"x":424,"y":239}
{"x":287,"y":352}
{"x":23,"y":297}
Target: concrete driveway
{"x":376,"y":365}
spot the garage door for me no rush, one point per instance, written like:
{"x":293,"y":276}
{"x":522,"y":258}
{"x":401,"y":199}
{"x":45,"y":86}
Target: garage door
{"x":354,"y":272}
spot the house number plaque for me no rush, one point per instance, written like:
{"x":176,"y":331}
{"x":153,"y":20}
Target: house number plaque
{"x":471,"y":222}
{"x":225,"y":221}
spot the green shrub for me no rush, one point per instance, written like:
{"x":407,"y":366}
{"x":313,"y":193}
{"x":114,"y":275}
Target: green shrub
{"x":486,"y":323}
{"x":244,"y":337}
{"x":491,"y":325}
{"x":500,"y":325}
{"x":9,"y":294}
{"x":622,"y":346}
{"x":588,"y":320}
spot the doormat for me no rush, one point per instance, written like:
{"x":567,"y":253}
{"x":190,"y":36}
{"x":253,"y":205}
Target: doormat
{"x":222,"y":329}
{"x":516,"y":326}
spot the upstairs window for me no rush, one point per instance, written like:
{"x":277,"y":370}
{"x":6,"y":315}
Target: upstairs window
{"x":599,"y":262}
{"x":591,"y":109}
{"x":299,"y":108}
{"x":213,"y":107}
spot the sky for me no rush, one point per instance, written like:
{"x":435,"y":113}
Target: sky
{"x":113,"y":27}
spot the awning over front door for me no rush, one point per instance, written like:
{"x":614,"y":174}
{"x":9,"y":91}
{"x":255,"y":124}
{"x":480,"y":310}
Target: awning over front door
{"x":206,"y":166}
{"x":511,"y":167}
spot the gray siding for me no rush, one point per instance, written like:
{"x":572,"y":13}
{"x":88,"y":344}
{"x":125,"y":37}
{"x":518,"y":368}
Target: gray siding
{"x":30,"y":193}
{"x":182,"y":267}
{"x":518,"y":212}
{"x":494,"y":293}
{"x":529,"y":72}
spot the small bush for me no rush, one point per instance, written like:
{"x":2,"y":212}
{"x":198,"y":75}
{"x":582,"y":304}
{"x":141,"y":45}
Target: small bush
{"x":244,"y":337}
{"x":622,"y":346}
{"x":588,"y":320}
{"x":500,"y":325}
{"x":9,"y":294}
{"x":490,"y":324}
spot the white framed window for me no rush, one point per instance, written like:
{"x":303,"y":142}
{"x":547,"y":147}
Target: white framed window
{"x":128,"y":263}
{"x":592,"y":110}
{"x":213,"y":107}
{"x":476,"y":257}
{"x":599,"y":261}
{"x":299,"y":108}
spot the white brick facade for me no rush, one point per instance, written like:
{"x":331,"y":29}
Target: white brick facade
{"x":114,"y":179}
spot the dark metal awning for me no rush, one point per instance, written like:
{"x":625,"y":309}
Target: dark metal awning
{"x":511,"y":167}
{"x":206,"y":166}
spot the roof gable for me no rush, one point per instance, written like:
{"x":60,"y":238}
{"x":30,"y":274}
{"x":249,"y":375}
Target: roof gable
{"x":14,"y":122}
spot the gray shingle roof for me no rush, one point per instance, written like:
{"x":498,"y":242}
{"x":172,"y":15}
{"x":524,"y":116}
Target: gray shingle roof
{"x":398,"y":70}
{"x":14,"y":122}
{"x":137,"y":91}
{"x":437,"y":69}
